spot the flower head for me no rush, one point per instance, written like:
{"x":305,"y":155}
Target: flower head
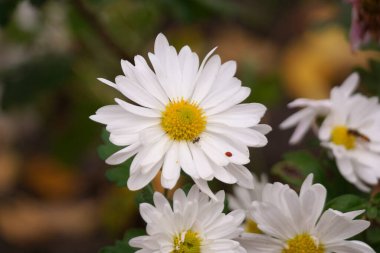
{"x":183,"y":115}
{"x":243,"y":199}
{"x":365,"y":23}
{"x":297,"y":224}
{"x":195,"y":224}
{"x":350,"y":129}
{"x":352,"y":132}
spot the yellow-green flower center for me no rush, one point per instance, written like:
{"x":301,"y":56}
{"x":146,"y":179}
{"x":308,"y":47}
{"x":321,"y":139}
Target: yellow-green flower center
{"x":341,"y":135}
{"x":303,"y":243}
{"x":187,"y":242}
{"x":251,"y":227}
{"x":183,"y":121}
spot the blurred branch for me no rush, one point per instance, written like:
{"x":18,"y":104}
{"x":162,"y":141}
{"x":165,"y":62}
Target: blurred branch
{"x":98,"y":28}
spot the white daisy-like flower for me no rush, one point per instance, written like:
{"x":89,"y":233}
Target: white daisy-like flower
{"x":304,"y":119}
{"x":195,"y":224}
{"x":352,"y":132}
{"x":185,"y":116}
{"x":243,"y":198}
{"x":297,"y":224}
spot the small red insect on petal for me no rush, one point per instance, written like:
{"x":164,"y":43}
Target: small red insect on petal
{"x":229,"y":154}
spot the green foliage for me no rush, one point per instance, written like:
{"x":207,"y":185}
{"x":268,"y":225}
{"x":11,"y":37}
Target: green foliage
{"x":122,"y":246}
{"x":371,"y":77}
{"x":6,"y":10}
{"x":108,"y":148}
{"x":119,"y":174}
{"x":145,"y":195}
{"x":296,"y":166}
{"x":32,"y":79}
{"x":346,"y":203}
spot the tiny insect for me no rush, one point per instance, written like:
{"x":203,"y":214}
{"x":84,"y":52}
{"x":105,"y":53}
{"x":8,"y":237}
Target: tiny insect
{"x":228,"y":153}
{"x":196,"y":140}
{"x":357,"y":134}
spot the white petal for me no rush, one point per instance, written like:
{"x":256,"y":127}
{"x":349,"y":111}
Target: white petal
{"x":109,"y":83}
{"x":138,"y":110}
{"x":244,"y":177}
{"x":123,"y":154}
{"x":203,"y":186}
{"x":350,"y":247}
{"x":234,"y":99}
{"x":171,"y":168}
{"x":206,"y":79}
{"x":186,"y":160}
{"x":137,"y":180}
{"x":202,"y":165}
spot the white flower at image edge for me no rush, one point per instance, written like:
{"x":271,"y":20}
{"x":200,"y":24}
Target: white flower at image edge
{"x":294,"y":223}
{"x":184,"y":115}
{"x":352,"y":132}
{"x":195,"y":224}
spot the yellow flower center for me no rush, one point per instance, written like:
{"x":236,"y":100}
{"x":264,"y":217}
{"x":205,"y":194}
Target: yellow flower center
{"x":183,"y":121}
{"x":303,"y":243}
{"x":341,"y":136}
{"x":251,"y":227}
{"x":187,"y":242}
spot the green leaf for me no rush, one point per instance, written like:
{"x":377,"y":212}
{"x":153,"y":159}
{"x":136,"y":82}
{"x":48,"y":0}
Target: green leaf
{"x":118,"y":175}
{"x":371,"y":77}
{"x":376,"y":199}
{"x":33,"y":79}
{"x":146,"y":195}
{"x":6,"y":10}
{"x":346,"y":203}
{"x":373,"y":235}
{"x":123,"y":245}
{"x":104,"y":151}
{"x":296,"y":166}
{"x":371,"y":212}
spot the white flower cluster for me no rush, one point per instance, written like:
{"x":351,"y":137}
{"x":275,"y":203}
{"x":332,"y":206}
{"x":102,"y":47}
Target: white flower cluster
{"x":186,"y":116}
{"x":350,"y":130}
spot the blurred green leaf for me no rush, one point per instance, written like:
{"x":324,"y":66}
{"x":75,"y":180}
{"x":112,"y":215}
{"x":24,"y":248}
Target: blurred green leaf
{"x":376,"y":199}
{"x":371,"y":77}
{"x":6,"y":10}
{"x":32,"y":79}
{"x":296,"y":166}
{"x":373,"y":235}
{"x":108,"y":148}
{"x":372,"y":212}
{"x":346,"y":203}
{"x":145,"y":195}
{"x":123,"y":245}
{"x":118,"y":175}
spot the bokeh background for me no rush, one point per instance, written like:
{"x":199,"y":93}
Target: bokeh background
{"x":54,"y":192}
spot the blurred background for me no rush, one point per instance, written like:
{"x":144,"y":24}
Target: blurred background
{"x":54,"y":192}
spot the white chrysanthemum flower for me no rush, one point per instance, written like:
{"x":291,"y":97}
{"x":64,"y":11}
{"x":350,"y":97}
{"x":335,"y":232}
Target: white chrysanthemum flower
{"x":350,"y":129}
{"x":186,"y":116}
{"x":304,"y":119}
{"x":295,"y":223}
{"x":194,"y":224}
{"x":352,"y":132}
{"x":243,"y":199}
